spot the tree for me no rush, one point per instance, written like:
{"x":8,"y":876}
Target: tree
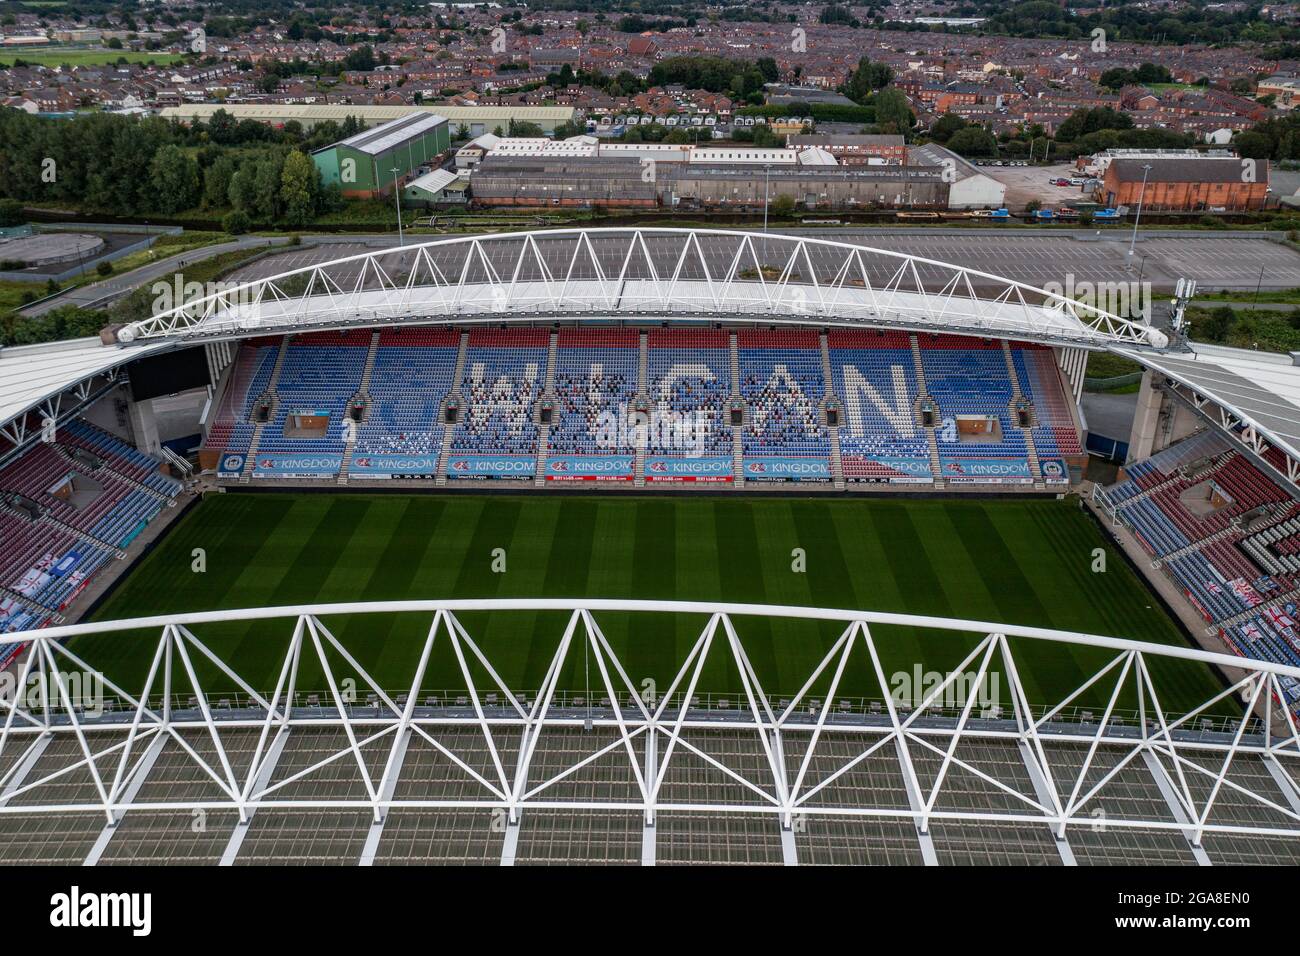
{"x":1253,"y":145}
{"x":266,"y":184}
{"x":973,"y":141}
{"x":866,"y":79}
{"x":11,"y":213}
{"x":523,"y":128}
{"x":216,"y":182}
{"x":1216,"y":325}
{"x":945,"y":126}
{"x":836,"y":14}
{"x":299,"y":185}
{"x":1081,"y":122}
{"x":1115,"y":78}
{"x":893,"y":111}
{"x":360,"y":60}
{"x":1151,"y":73}
{"x":243,"y":189}
{"x":174,"y":178}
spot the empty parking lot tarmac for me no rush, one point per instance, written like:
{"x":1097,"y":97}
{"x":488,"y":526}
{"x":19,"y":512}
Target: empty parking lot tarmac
{"x":1239,"y":261}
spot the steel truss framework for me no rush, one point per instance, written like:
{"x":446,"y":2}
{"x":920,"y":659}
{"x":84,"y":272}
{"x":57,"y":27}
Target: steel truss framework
{"x":647,"y":734}
{"x":627,"y":272}
{"x":1236,"y":427}
{"x":63,"y":406}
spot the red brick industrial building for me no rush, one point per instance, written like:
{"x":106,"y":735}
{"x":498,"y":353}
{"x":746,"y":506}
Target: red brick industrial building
{"x":1187,"y":184}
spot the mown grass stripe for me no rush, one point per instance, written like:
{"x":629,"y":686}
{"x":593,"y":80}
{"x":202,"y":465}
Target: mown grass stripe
{"x":1024,"y":561}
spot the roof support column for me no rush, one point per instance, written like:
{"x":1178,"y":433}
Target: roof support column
{"x":263,"y":780}
{"x":128,"y":795}
{"x":1157,"y":771}
{"x":1146,"y":420}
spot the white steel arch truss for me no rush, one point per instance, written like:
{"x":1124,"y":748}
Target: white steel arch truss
{"x":642,"y":272}
{"x":790,"y":776}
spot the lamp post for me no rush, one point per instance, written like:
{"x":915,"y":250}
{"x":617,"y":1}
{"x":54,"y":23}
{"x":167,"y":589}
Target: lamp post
{"x":767,"y":169}
{"x":397,"y":201}
{"x":1146,"y":168}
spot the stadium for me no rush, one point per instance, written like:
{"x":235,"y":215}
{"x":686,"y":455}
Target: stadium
{"x":644,"y":546}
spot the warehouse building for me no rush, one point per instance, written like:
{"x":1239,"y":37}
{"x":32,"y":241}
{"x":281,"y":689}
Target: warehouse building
{"x":471,"y":153}
{"x":1202,"y":183}
{"x":811,"y":187}
{"x":368,"y":164}
{"x":438,"y":187}
{"x":632,"y":182}
{"x":583,"y":181}
{"x":856,"y":149}
{"x":472,"y":120}
{"x":968,"y":187}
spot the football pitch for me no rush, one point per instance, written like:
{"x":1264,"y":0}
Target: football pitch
{"x":1013,"y":561}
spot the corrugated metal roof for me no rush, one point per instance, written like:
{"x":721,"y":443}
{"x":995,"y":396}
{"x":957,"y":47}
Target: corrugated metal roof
{"x":270,"y":112}
{"x":816,"y":156}
{"x":534,"y":146}
{"x":845,"y":139}
{"x":1202,"y":169}
{"x":434,"y":181}
{"x":936,"y":155}
{"x":1261,"y":387}
{"x":388,"y":136}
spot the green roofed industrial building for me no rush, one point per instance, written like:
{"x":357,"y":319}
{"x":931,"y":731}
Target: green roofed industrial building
{"x":368,"y":164}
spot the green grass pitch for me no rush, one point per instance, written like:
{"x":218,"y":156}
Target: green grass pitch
{"x":1022,"y":562}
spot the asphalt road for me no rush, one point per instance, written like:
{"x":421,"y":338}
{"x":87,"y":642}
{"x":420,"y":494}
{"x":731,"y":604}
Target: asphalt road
{"x":100,"y":294}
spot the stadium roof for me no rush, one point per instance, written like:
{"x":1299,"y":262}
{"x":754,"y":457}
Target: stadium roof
{"x":31,"y":374}
{"x":1261,"y":388}
{"x":635,"y":273}
{"x":1035,"y":771}
{"x":640,"y":272}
